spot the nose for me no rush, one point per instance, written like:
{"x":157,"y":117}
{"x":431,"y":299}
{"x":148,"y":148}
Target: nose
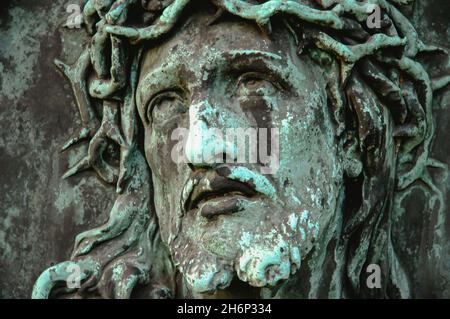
{"x":206,"y":143}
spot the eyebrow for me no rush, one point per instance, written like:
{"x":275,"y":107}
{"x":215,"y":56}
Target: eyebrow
{"x":235,"y":60}
{"x":259,"y":61}
{"x":239,"y":60}
{"x":153,"y":80}
{"x":242,"y":54}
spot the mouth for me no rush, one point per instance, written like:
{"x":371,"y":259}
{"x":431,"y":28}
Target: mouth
{"x":213,"y":193}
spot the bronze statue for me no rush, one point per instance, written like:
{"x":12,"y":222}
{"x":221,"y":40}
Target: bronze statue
{"x":352,"y":108}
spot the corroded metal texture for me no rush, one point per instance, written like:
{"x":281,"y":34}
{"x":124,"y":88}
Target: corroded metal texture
{"x":360,"y":181}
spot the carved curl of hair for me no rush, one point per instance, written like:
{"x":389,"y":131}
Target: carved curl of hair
{"x":127,"y":250}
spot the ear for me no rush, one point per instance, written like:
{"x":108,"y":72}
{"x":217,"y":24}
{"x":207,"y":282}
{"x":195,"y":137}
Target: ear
{"x":351,"y":157}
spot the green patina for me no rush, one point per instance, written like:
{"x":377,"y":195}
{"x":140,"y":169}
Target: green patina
{"x":132,"y":228}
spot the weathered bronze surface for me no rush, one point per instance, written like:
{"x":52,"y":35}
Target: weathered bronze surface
{"x":359,"y":187}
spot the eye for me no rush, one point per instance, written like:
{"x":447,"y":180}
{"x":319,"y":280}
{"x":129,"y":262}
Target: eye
{"x":165,"y":106}
{"x":254,"y":84}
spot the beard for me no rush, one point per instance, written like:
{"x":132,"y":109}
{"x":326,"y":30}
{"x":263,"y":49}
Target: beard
{"x":261,"y":253}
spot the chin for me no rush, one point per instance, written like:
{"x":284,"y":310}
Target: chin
{"x":232,"y":247}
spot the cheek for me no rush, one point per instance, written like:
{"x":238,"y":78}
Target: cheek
{"x":310,"y":167}
{"x":158,"y":162}
{"x":158,"y":147}
{"x":310,"y":173}
{"x":150,"y":144}
{"x":310,"y":187}
{"x":168,"y":180}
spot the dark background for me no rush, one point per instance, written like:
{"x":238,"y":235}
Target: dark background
{"x":40,"y":213}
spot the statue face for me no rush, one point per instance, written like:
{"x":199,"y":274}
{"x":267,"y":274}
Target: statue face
{"x":236,"y":226}
{"x":226,"y":220}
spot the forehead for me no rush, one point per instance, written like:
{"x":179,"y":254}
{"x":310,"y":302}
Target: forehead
{"x":197,"y":44}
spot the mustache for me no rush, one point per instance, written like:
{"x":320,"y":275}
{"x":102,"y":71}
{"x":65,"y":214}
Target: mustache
{"x":252,"y":180}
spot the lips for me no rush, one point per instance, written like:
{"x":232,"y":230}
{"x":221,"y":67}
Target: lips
{"x":214,"y":194}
